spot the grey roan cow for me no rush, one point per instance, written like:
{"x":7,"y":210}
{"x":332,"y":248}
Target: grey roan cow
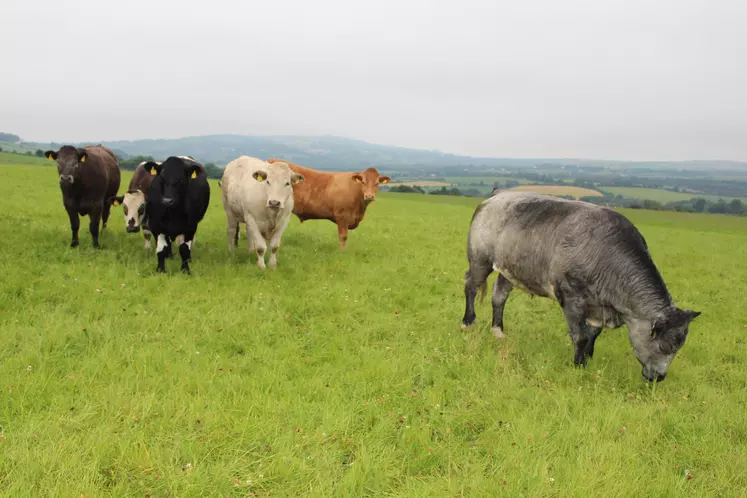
{"x":589,"y":259}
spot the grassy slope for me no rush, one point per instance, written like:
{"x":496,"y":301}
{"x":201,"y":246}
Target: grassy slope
{"x":345,"y":372}
{"x":659,"y":195}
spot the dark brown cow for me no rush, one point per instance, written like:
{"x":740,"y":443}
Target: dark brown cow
{"x":341,"y":198}
{"x":88,"y":177}
{"x":133,"y":202}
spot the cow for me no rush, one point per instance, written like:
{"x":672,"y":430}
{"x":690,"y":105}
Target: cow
{"x":177,"y":201}
{"x":88,"y":177}
{"x":133,"y":202}
{"x":341,"y":198}
{"x":590,"y":259}
{"x":259,"y":195}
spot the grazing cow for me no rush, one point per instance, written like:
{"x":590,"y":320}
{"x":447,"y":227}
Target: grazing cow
{"x":177,"y":201}
{"x":341,"y":198}
{"x":88,"y":177}
{"x":133,"y":202}
{"x":589,"y":259}
{"x":260,"y":195}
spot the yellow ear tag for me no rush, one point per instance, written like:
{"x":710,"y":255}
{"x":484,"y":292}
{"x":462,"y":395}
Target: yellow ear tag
{"x":50,"y":158}
{"x":116,"y":202}
{"x":83,"y":159}
{"x":194,"y":174}
{"x":153,"y":172}
{"x":357,"y":180}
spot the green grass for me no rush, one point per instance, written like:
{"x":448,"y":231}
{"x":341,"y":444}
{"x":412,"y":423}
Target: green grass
{"x":345,"y":373}
{"x":17,"y":159}
{"x":663,"y":196}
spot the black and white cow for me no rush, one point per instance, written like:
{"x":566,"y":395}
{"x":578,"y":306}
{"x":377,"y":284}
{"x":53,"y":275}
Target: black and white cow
{"x":589,"y":259}
{"x":177,"y":201}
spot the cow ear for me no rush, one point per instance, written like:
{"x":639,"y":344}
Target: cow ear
{"x":384,"y":180}
{"x":116,"y":200}
{"x":296,"y":179}
{"x":152,"y":167}
{"x":193,"y":170}
{"x":82,"y":155}
{"x":357,"y":178}
{"x":51,"y":155}
{"x":260,"y":175}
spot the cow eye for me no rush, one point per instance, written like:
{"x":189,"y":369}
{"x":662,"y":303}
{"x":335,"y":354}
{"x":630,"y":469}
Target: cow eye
{"x":287,"y":183}
{"x":141,"y":209}
{"x":124,"y":208}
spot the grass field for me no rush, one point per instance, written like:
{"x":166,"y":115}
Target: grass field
{"x":488,"y":180}
{"x":664,"y":196}
{"x":345,"y":372}
{"x":577,"y":192}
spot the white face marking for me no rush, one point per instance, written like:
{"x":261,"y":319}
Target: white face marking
{"x":132,"y":205}
{"x":161,"y":245}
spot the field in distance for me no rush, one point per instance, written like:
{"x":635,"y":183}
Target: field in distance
{"x":662,"y":196}
{"x":577,"y":192}
{"x":345,"y":372}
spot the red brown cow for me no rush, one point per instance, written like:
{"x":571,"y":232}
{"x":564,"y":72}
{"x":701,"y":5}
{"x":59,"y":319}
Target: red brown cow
{"x":341,"y":198}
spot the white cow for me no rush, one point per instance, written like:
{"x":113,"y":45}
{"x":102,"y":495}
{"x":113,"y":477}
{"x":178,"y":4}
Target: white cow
{"x":260,"y":195}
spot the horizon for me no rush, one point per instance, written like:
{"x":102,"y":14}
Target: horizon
{"x":439,"y":151}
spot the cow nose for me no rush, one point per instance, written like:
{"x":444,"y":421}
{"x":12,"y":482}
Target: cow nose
{"x":653,"y":376}
{"x":168,"y":201}
{"x":369,"y":197}
{"x":273,"y":203}
{"x":66,"y":178}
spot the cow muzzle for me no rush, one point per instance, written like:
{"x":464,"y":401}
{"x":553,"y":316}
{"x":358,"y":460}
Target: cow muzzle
{"x":67,"y":179}
{"x":273,"y":204}
{"x":133,"y":229}
{"x":369,"y":198}
{"x":651,"y":375}
{"x":167,"y":201}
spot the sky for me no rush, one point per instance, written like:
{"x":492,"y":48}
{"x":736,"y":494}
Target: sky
{"x":612,"y":79}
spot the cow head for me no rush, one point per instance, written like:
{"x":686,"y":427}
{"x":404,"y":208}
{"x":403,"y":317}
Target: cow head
{"x":656,"y":347}
{"x":279,"y":180}
{"x":172,"y":175}
{"x":133,"y":207}
{"x":70,"y":161}
{"x":369,"y":182}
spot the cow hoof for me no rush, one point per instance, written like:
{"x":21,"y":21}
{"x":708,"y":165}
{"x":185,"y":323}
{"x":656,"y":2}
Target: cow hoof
{"x":186,"y":271}
{"x":96,"y":246}
{"x":161,"y":270}
{"x":74,"y":243}
{"x":465,"y":326}
{"x":498,"y":332}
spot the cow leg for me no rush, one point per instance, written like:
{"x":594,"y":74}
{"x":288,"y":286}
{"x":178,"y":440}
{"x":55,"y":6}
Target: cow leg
{"x":275,"y":242}
{"x":93,"y":226}
{"x":474,"y":279}
{"x":185,"y":250}
{"x":161,"y":252}
{"x":105,"y":214}
{"x":146,"y":235}
{"x":593,"y":334}
{"x":74,"y":224}
{"x":577,"y":328}
{"x":232,"y":232}
{"x":501,"y":289}
{"x":342,"y":232}
{"x":255,"y":240}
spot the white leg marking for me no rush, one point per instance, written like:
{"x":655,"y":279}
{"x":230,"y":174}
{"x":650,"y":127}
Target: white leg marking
{"x":179,"y":240}
{"x":498,"y":332}
{"x":161,"y":245}
{"x":147,"y":243}
{"x":189,"y":244}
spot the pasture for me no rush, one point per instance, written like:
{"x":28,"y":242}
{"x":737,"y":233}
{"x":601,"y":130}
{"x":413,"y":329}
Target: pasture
{"x":576,"y":192}
{"x":345,"y":372}
{"x":663,"y":196}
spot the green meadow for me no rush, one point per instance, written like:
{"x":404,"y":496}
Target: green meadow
{"x":663,"y":196}
{"x":345,"y":372}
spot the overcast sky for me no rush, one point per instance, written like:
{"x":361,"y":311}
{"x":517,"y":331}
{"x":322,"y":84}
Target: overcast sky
{"x":617,"y":79}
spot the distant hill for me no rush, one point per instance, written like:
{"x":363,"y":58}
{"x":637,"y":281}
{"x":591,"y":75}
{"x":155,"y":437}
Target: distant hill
{"x":339,"y":153}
